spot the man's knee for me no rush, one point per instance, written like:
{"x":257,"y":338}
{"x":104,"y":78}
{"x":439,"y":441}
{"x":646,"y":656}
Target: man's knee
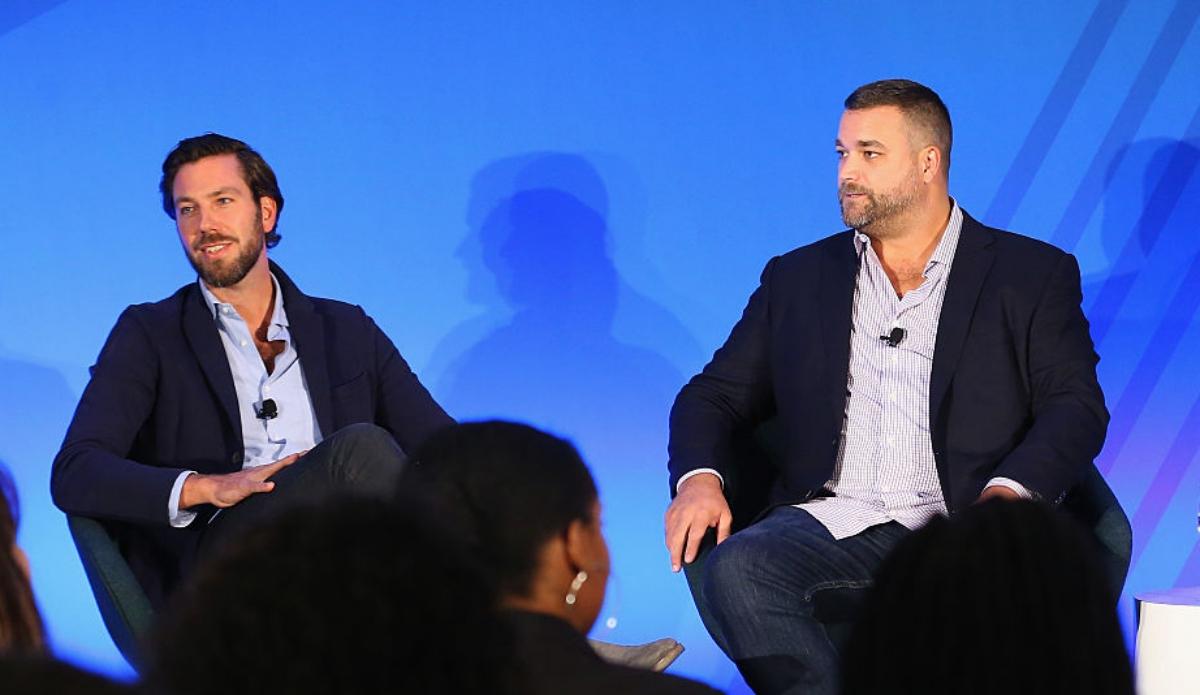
{"x":729,"y":572}
{"x":366,"y":450}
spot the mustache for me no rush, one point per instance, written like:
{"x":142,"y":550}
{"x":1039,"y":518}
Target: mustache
{"x":211,"y":239}
{"x":846,"y":188}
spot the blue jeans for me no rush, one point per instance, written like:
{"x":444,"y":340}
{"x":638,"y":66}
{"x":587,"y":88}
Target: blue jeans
{"x":764,"y":588}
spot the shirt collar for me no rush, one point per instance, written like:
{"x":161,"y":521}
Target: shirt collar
{"x":279,"y":317}
{"x":944,"y":253}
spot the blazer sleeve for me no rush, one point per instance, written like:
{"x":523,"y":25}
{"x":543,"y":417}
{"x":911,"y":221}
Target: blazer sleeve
{"x":733,"y":390}
{"x":404,"y":406}
{"x":1069,"y":416}
{"x":92,"y":475}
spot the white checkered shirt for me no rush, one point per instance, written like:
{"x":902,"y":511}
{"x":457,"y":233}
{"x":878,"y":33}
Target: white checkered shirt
{"x":885,"y":469}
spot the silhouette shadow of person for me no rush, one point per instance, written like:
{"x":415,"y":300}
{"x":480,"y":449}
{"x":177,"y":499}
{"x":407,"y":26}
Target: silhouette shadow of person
{"x":543,"y":350}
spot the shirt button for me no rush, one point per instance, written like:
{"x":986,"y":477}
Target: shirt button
{"x":894,"y":359}
{"x":892,"y":396}
{"x":243,"y":343}
{"x":266,"y":389}
{"x":225,"y":310}
{"x":891,"y":441}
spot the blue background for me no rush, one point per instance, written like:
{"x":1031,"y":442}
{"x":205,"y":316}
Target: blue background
{"x":558,"y":209}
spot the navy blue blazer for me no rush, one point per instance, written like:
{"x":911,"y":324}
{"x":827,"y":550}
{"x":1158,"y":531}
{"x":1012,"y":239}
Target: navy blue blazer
{"x":1013,"y":389}
{"x":161,"y":400}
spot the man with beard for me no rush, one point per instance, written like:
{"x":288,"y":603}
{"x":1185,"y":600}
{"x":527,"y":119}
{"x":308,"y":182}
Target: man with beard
{"x":911,"y":365}
{"x":236,"y":395}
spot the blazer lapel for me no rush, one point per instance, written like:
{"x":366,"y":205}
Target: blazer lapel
{"x":836,"y":303}
{"x":307,"y":329}
{"x":972,"y":261}
{"x":200,"y":330}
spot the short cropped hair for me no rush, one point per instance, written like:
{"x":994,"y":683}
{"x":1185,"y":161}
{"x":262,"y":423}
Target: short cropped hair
{"x":255,"y":171}
{"x":921,"y":106}
{"x":505,"y":489}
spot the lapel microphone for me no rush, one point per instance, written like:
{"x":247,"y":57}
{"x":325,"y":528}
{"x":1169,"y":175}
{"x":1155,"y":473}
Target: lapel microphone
{"x":267,"y":411}
{"x":892,"y":339}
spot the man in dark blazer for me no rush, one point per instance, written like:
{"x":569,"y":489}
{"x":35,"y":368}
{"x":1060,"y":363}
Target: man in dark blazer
{"x":212,"y":398}
{"x":914,"y":364}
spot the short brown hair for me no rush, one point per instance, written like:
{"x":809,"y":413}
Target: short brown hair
{"x":919,"y":104}
{"x":255,"y":170}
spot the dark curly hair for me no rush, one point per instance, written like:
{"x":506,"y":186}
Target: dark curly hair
{"x":255,"y":171}
{"x":354,"y":595}
{"x":505,"y":489}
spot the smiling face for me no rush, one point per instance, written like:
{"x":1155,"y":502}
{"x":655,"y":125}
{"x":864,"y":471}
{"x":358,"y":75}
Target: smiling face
{"x":221,"y":226}
{"x":879,"y":172}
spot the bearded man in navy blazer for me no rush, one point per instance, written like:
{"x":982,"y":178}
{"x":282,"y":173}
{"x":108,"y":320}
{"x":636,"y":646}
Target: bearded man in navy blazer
{"x":915,"y":364}
{"x":203,"y":407}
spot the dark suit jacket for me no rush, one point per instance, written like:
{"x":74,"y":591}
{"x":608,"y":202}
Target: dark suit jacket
{"x":1012,"y":393}
{"x":553,"y":658}
{"x":161,"y":400}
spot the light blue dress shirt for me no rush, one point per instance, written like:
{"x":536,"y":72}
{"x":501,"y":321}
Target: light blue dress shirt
{"x":295,"y":428}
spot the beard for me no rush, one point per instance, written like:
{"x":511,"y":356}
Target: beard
{"x":224,"y":273}
{"x":873,"y":213}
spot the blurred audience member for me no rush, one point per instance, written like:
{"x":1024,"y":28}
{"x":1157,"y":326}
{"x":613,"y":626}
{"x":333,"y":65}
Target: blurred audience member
{"x":526,"y":505}
{"x":20,"y":624}
{"x":354,"y":595}
{"x":42,"y":675}
{"x":1005,"y":597}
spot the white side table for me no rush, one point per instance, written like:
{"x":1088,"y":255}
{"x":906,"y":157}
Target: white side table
{"x":1168,"y":637}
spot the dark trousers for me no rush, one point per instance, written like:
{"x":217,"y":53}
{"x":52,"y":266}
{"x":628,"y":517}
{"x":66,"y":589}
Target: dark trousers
{"x":361,"y":459}
{"x":762,"y":588}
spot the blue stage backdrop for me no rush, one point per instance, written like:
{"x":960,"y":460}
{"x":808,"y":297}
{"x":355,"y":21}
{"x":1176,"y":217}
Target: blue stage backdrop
{"x":558,"y":209}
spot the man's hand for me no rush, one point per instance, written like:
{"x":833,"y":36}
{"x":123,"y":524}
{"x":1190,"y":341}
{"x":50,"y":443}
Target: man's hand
{"x":997,"y":492}
{"x":230,"y":488}
{"x":699,"y":506}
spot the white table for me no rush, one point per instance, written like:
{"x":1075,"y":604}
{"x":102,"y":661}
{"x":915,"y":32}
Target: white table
{"x":1168,"y":642}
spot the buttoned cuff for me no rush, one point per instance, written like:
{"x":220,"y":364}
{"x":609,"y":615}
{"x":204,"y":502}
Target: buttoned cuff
{"x":698,"y":471}
{"x":1024,"y":492}
{"x":179,"y":519}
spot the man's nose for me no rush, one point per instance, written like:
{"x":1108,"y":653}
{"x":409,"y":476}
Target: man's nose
{"x":847,"y":169}
{"x":205,"y":220}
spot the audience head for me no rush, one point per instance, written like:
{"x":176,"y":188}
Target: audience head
{"x":351,"y":595}
{"x":42,"y":675}
{"x":526,"y":506}
{"x":1005,"y":597}
{"x":20,"y":624}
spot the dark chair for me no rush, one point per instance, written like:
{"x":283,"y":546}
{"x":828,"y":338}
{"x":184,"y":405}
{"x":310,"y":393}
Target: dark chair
{"x":123,"y":604}
{"x":1091,"y":502}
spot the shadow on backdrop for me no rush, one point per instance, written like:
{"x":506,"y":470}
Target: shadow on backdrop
{"x":1141,"y":308}
{"x":34,"y":411}
{"x":544,"y":351}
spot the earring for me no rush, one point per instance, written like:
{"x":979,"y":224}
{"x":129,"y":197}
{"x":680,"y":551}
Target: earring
{"x":576,"y":585}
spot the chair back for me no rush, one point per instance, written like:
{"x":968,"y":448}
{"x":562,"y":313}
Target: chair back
{"x":123,"y":604}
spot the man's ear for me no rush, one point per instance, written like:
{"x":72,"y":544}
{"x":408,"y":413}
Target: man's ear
{"x":269,"y":213}
{"x":931,"y":163}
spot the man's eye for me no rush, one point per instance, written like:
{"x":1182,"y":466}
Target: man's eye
{"x":870,"y":155}
{"x":186,"y":209}
{"x":841,"y":154}
{"x":224,"y":201}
